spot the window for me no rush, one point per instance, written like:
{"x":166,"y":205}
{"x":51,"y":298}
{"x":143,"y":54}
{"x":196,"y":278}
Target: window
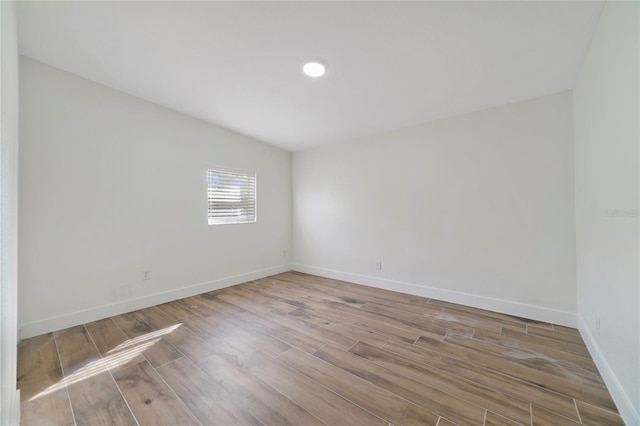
{"x":232,"y":196}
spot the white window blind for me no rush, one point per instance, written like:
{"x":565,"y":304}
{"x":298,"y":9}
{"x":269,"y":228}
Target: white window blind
{"x":232,"y":196}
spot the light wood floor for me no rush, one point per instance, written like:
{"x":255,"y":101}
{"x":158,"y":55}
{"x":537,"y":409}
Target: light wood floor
{"x":304,"y":350}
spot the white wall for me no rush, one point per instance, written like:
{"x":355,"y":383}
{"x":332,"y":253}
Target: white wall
{"x":607,"y":116}
{"x":476,"y":209}
{"x":111,"y":185}
{"x":9,"y":397}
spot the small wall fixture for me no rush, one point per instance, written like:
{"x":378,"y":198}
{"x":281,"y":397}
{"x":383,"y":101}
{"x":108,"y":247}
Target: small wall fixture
{"x":313,"y":69}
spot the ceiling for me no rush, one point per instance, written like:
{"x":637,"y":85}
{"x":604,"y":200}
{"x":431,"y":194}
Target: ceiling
{"x":390,"y":64}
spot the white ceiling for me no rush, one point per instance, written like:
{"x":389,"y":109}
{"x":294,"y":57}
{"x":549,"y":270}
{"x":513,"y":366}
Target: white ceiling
{"x":390,"y":64}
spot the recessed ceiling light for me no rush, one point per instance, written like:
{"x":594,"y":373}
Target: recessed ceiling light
{"x":313,"y":69}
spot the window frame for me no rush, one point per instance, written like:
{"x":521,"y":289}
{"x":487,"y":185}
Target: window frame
{"x":251,"y":199}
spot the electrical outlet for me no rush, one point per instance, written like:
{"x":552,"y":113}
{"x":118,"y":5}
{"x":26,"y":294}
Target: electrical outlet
{"x":284,"y":253}
{"x":379,"y":265}
{"x":146,"y":275}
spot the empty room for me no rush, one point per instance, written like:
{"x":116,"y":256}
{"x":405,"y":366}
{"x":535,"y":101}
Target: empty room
{"x":320,"y":213}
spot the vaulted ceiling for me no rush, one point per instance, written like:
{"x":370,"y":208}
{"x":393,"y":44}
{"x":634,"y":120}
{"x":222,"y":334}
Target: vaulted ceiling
{"x":390,"y":64}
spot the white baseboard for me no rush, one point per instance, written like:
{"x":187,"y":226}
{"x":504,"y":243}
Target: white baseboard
{"x":534,"y":312}
{"x":35,"y":328}
{"x":624,"y":404}
{"x":538,"y":313}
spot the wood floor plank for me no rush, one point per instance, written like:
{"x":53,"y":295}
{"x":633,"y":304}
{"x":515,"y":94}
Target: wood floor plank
{"x":191,"y":345}
{"x":114,"y":346}
{"x":250,"y":334}
{"x":408,"y":327}
{"x":198,"y":307}
{"x":568,"y":330}
{"x":329,"y":294}
{"x":176,"y":309}
{"x":224,"y":339}
{"x":151,"y":312}
{"x":372,"y":398}
{"x":354,"y":288}
{"x":94,"y":396}
{"x":345,"y":329}
{"x":522,"y":372}
{"x":146,"y":339}
{"x":324,"y":297}
{"x":493,"y":419}
{"x":432,"y":325}
{"x":97,"y":401}
{"x":370,"y":321}
{"x":283,"y":296}
{"x":572,"y":348}
{"x":445,"y":317}
{"x":38,"y":363}
{"x":76,"y":349}
{"x":540,"y":417}
{"x":213,"y":300}
{"x":424,"y":395}
{"x":43,"y":395}
{"x":312,"y":330}
{"x":481,"y":312}
{"x":245,"y":303}
{"x":150,"y":399}
{"x":231,"y":372}
{"x":284,"y":333}
{"x":297,"y":299}
{"x":445,"y":422}
{"x":303,"y":291}
{"x":482,"y":396}
{"x":206,"y":328}
{"x":217,"y":332}
{"x":49,"y":408}
{"x":556,"y":335}
{"x":546,"y":359}
{"x":160,"y":322}
{"x":240,"y":332}
{"x":325,"y":404}
{"x":494,"y":379}
{"x":208,"y":401}
{"x":539,"y":354}
{"x":591,"y":415}
{"x":270,"y":302}
{"x":538,"y":324}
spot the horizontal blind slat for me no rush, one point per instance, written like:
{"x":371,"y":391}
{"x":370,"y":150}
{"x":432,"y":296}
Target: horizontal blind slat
{"x":231,"y":197}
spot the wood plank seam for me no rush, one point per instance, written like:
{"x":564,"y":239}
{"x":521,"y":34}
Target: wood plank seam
{"x":112,"y":378}
{"x":65,"y":380}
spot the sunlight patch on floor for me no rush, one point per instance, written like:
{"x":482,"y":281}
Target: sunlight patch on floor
{"x":116,"y":357}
